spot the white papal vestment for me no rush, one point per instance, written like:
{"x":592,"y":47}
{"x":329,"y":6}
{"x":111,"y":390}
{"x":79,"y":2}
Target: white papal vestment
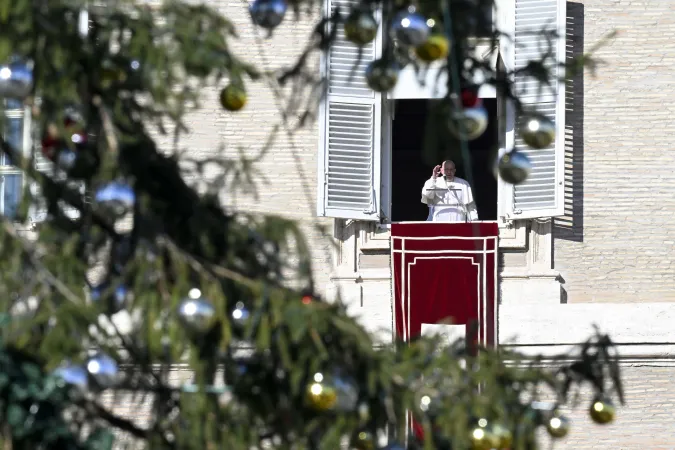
{"x":449,"y":201}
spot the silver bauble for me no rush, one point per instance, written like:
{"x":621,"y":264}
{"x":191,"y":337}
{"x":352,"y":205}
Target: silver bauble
{"x":196,"y":313}
{"x":16,"y":80}
{"x":268,"y":13}
{"x":240,"y":315}
{"x":66,"y":159}
{"x":537,"y":131}
{"x":117,"y":197}
{"x":24,"y":307}
{"x":410,"y":28}
{"x":514,"y":167}
{"x":103,"y":370}
{"x":468,"y":123}
{"x":73,"y":375}
{"x":382,"y":75}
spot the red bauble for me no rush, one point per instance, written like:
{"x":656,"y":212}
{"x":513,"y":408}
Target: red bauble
{"x":73,"y":138}
{"x":49,"y":145}
{"x":470,"y":98}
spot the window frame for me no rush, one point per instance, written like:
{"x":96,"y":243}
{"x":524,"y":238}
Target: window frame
{"x":506,"y":19}
{"x":323,"y":210}
{"x":504,"y":16}
{"x":26,"y":142}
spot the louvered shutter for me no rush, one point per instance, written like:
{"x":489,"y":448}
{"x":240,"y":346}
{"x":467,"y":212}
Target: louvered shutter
{"x":38,"y":210}
{"x":542,"y":194}
{"x":350,"y":132}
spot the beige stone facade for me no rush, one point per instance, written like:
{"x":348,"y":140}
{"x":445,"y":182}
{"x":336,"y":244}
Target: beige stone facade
{"x":609,"y":260}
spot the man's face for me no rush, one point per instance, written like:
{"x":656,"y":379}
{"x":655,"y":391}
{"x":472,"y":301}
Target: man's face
{"x":448,"y":170}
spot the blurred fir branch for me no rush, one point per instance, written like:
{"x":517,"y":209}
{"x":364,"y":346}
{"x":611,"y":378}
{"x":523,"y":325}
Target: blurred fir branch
{"x":194,"y":283}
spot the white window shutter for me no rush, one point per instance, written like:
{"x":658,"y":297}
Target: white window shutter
{"x":38,"y":210}
{"x":542,"y":194}
{"x":350,"y":131}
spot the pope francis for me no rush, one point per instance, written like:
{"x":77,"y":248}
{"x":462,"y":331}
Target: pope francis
{"x":449,"y":198}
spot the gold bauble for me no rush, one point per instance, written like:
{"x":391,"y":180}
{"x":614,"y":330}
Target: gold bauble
{"x":320,"y":396}
{"x":503,"y":436}
{"x":363,"y":440}
{"x":537,"y":131}
{"x":558,"y":426}
{"x":233,"y":98}
{"x":382,"y":75}
{"x":361,"y":27}
{"x":435,"y":47}
{"x":602,"y":410}
{"x":111,"y":74}
{"x":482,"y":438}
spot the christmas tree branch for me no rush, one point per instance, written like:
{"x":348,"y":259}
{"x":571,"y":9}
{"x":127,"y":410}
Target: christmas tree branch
{"x":42,"y":270}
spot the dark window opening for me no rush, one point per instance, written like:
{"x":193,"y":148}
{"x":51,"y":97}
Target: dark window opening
{"x":420,"y":141}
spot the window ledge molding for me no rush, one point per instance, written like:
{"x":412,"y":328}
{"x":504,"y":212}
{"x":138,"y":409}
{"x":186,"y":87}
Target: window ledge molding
{"x":528,"y":274}
{"x":362,"y":275}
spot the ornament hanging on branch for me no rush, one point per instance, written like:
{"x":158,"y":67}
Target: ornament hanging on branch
{"x":196,"y":313}
{"x":70,"y":146}
{"x":233,"y":97}
{"x":537,"y":131}
{"x":514,"y":167}
{"x":117,"y":198}
{"x":331,"y":394}
{"x":268,"y":14}
{"x":482,"y":437}
{"x":503,"y":436}
{"x":602,"y":410}
{"x":410,"y":28}
{"x":16,"y":80}
{"x":558,"y":425}
{"x":361,"y":27}
{"x":363,"y":440}
{"x":436,"y":47}
{"x":72,"y":374}
{"x":103,"y":370}
{"x":382,"y":75}
{"x":240,"y":316}
{"x":469,"y":121}
{"x":119,"y":73}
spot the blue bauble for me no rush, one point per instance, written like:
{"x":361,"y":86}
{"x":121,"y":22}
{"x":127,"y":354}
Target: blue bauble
{"x":118,"y":197}
{"x":104,"y":370}
{"x":16,"y":80}
{"x":73,"y":375}
{"x":410,"y":28}
{"x":268,"y":13}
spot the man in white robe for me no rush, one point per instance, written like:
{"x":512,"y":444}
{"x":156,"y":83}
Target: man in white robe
{"x":449,"y":198}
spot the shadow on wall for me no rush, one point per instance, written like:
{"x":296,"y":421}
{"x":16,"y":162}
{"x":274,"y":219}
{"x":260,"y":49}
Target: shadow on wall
{"x":571,"y":226}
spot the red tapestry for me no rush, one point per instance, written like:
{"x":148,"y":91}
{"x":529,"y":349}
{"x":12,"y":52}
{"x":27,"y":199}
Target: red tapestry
{"x":445,"y":273}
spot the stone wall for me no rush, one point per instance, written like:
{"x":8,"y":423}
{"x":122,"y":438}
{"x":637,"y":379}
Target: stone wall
{"x":645,"y":422}
{"x":285,"y":161}
{"x":616,"y":243}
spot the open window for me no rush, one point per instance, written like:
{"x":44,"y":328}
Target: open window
{"x":414,"y":127}
{"x":355,"y":173}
